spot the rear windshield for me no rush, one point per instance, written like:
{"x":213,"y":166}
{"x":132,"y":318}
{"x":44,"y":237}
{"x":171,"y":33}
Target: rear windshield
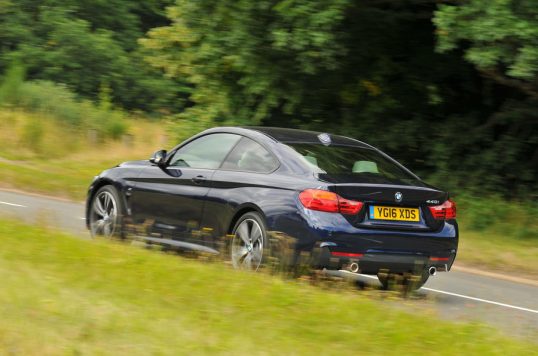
{"x":346,"y":164}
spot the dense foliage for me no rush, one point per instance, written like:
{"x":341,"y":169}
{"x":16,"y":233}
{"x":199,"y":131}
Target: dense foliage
{"x":449,"y":88}
{"x":87,"y":44}
{"x":369,"y":69}
{"x":502,"y":39}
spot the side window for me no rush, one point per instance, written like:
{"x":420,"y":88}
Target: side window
{"x":205,"y":152}
{"x":250,"y":156}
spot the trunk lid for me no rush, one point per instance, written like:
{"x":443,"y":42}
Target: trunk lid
{"x":383,"y":196}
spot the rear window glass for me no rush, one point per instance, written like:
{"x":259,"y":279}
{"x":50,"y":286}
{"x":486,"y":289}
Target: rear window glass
{"x":347,"y":164}
{"x":251,"y":157}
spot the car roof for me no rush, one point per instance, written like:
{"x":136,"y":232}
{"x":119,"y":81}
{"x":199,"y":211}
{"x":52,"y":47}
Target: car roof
{"x":286,"y":135}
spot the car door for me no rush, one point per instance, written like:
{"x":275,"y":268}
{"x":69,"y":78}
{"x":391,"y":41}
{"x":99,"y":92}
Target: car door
{"x":170,"y":200}
{"x":242,"y":178}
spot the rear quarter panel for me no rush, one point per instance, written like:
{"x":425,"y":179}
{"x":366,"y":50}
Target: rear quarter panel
{"x":272,"y":195}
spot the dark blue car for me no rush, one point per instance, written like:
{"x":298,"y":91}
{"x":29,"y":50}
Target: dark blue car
{"x":247,"y":192}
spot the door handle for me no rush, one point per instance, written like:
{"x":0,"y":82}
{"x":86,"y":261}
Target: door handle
{"x":199,"y":179}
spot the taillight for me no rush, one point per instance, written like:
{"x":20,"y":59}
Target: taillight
{"x":323,"y":200}
{"x":349,"y":207}
{"x":346,"y":254}
{"x":439,"y":259}
{"x":445,"y":211}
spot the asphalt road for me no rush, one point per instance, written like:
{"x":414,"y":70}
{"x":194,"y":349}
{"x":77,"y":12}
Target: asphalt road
{"x":457,"y":296}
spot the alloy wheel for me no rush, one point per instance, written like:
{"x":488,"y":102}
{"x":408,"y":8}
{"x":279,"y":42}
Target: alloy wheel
{"x":247,"y":245}
{"x":103,"y":214}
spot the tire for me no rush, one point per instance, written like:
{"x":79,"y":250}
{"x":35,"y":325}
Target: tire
{"x":249,"y":245}
{"x":106,"y":213}
{"x":409,"y":282}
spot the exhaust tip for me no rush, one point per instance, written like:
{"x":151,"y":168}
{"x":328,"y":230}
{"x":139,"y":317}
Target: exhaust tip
{"x":432,"y":271}
{"x":354,"y":267}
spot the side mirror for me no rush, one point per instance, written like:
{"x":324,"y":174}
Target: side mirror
{"x":159,"y":158}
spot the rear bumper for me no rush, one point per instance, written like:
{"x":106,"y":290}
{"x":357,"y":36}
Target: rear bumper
{"x":374,"y":263}
{"x":336,"y":244}
{"x":392,"y":252}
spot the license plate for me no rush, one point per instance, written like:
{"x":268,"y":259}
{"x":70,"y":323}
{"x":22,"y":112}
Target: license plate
{"x":394,"y":213}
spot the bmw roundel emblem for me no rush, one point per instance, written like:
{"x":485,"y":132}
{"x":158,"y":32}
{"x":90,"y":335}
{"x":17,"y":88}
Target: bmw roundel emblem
{"x":398,"y":197}
{"x":325,"y":139}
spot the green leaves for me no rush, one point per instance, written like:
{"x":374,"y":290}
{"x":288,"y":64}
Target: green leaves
{"x":85,"y":45}
{"x":499,"y":35}
{"x":246,"y":59}
{"x":364,"y":69}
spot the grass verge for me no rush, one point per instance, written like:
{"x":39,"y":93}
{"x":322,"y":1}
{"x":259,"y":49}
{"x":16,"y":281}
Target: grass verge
{"x":491,"y":250}
{"x":64,"y":295}
{"x":60,"y":161}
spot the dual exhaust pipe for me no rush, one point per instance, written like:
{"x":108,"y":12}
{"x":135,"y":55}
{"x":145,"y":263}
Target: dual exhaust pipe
{"x":354,"y":267}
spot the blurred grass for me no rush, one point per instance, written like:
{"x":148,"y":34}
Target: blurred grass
{"x":498,"y":235}
{"x":490,"y":250}
{"x":58,"y":160}
{"x":64,"y":295}
{"x":59,"y":103}
{"x":495,"y":234}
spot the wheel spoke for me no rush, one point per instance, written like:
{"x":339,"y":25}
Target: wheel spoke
{"x":257,"y":256}
{"x":247,"y":262}
{"x":242,"y":231}
{"x":107,"y":204}
{"x":98,"y":207}
{"x":107,"y":228}
{"x":255,"y":233}
{"x":98,"y":226}
{"x":104,"y":202}
{"x":112,"y":209}
{"x":239,"y":253}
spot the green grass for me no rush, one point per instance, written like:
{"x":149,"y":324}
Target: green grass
{"x":63,"y":295}
{"x":491,"y":250}
{"x":60,"y":161}
{"x":52,"y":180}
{"x":498,"y":235}
{"x":55,"y":178}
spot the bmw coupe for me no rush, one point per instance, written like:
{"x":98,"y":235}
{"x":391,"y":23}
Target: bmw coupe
{"x":340,"y":200}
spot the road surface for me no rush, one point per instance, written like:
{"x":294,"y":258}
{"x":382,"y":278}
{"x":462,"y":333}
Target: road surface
{"x":457,"y":296}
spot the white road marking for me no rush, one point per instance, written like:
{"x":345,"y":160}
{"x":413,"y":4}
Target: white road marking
{"x":482,"y":300}
{"x":82,"y":218}
{"x":11,"y":204}
{"x":464,"y":296}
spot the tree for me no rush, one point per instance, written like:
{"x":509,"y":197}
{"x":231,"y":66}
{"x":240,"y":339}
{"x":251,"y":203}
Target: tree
{"x":86,"y":45}
{"x":367,"y":69}
{"x":500,"y":37}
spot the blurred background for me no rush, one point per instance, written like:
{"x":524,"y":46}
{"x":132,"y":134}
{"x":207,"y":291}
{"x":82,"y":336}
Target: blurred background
{"x":448,"y":88}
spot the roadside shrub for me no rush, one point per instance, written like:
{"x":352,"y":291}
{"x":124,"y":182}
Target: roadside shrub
{"x":11,"y":83}
{"x":50,"y":98}
{"x":115,"y":125}
{"x":58,"y":101}
{"x":493,"y":213}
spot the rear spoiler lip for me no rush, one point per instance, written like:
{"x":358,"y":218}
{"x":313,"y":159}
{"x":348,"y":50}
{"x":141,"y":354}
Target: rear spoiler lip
{"x":394,"y":186}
